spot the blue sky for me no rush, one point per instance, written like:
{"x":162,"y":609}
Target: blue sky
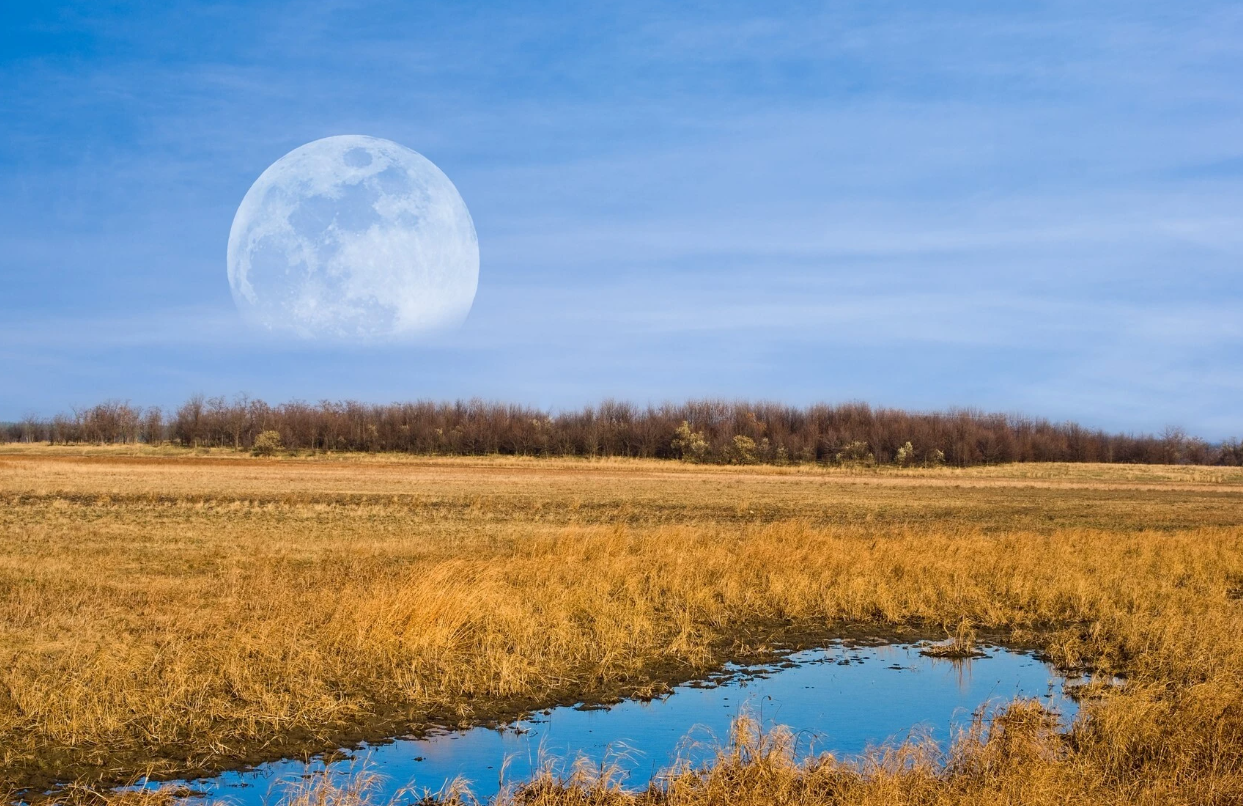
{"x":1018,"y":206}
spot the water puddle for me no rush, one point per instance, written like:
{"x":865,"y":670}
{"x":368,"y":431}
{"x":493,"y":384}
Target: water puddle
{"x":838,"y":699}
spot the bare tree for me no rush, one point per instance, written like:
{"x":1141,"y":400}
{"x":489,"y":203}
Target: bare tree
{"x":701,"y":430}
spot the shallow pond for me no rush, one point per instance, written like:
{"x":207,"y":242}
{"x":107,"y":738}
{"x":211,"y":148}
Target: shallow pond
{"x":840,"y":699}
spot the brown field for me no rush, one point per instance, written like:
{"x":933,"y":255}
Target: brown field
{"x":170,"y":611}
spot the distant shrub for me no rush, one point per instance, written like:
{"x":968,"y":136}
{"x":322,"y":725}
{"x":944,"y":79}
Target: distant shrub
{"x":689,"y":445}
{"x":905,"y":455}
{"x":934,"y":458}
{"x":742,"y":450}
{"x":267,"y":443}
{"x":855,"y":452}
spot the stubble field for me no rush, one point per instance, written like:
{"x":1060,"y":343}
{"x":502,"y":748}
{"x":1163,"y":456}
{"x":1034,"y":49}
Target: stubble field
{"x":167,"y":612}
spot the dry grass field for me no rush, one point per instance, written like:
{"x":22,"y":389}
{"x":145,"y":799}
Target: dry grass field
{"x":171,"y":611}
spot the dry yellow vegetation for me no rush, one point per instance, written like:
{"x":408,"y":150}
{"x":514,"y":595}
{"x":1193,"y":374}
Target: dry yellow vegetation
{"x":169,"y":611}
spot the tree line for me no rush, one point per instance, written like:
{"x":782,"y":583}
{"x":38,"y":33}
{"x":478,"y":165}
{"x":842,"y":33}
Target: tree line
{"x":702,"y":431}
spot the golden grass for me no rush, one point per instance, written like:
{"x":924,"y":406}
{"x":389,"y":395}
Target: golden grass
{"x":169,"y":611}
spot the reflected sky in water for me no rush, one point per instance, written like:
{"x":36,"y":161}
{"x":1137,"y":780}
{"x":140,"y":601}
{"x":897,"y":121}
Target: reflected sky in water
{"x":838,"y":699}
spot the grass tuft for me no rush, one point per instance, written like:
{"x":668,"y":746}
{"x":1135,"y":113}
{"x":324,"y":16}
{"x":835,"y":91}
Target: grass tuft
{"x":961,"y":645}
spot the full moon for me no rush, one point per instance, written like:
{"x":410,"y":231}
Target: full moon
{"x":353,"y":238}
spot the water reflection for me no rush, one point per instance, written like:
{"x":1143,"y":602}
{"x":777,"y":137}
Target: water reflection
{"x":837,"y":699}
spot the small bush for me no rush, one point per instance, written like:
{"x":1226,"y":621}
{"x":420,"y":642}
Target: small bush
{"x":855,"y":452}
{"x":742,"y":450}
{"x":689,"y":445}
{"x":267,"y":443}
